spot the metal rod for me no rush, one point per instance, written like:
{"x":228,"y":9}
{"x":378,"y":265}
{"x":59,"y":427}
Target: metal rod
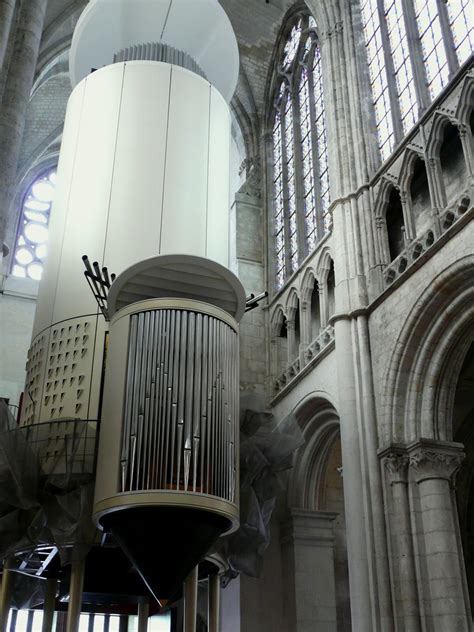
{"x":143,"y":614}
{"x":190,"y":601}
{"x":136,"y":391}
{"x":204,"y":374}
{"x":75,"y":593}
{"x":196,"y":414}
{"x":167,"y":397}
{"x":163,"y":453}
{"x":175,"y":391}
{"x":141,"y":397}
{"x":49,"y":604}
{"x":148,"y":378}
{"x":188,"y":403}
{"x":214,"y":603}
{"x":128,"y":400}
{"x":154,"y":409}
{"x":6,"y":594}
{"x":181,"y":393}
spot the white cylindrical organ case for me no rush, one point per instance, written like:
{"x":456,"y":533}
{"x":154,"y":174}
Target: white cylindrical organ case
{"x":170,"y":410}
{"x":144,"y":170}
{"x":168,"y":456}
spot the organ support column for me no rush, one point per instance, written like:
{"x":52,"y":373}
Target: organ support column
{"x":214,"y":602}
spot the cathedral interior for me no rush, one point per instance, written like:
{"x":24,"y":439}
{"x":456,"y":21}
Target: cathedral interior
{"x":236,"y":316}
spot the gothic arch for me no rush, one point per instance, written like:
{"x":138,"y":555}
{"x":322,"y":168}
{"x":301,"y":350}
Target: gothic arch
{"x":292,"y":303}
{"x":423,"y":370}
{"x":319,"y":422}
{"x":307,"y":284}
{"x":466,"y":100}
{"x":323,"y":265}
{"x":410,"y":157}
{"x":277,"y":319}
{"x":435,"y":138}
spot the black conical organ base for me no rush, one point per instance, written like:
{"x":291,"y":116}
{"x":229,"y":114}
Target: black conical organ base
{"x":165,"y":543}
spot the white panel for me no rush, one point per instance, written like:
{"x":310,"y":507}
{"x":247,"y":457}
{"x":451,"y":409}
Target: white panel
{"x":185,"y":196}
{"x":90,"y":191}
{"x":133,"y":231}
{"x":108,"y":460}
{"x":218,"y":181}
{"x":46,"y":297}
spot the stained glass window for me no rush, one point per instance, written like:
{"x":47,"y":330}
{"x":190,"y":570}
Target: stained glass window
{"x":434,"y":52}
{"x":291,"y":183}
{"x":31,"y":246}
{"x":278,"y":200}
{"x":378,"y":77}
{"x":321,"y":139}
{"x":403,"y":72}
{"x":308,"y":163}
{"x":393,"y":56}
{"x":300,"y":164}
{"x":291,"y":45}
{"x":461,"y":21}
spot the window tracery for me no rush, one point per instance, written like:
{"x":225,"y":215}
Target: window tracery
{"x":31,"y":244}
{"x":301,"y":195}
{"x":413,"y":47}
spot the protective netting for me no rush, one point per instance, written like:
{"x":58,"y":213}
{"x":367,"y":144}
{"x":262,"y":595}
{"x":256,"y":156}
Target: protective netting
{"x":46,"y":493}
{"x":266,"y":451}
{"x":47,"y":483}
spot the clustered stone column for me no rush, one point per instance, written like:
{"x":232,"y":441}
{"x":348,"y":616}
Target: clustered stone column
{"x":16,"y":94}
{"x":397,"y":502}
{"x":434,"y":466}
{"x":429,"y":584}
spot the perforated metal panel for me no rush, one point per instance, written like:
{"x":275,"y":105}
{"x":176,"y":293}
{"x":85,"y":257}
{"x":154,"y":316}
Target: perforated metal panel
{"x":35,"y":366}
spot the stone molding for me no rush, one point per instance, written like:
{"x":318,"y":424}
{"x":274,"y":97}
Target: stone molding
{"x":435,"y":459}
{"x":307,"y":527}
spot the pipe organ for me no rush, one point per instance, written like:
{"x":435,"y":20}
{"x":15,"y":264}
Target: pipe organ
{"x":143,"y":188}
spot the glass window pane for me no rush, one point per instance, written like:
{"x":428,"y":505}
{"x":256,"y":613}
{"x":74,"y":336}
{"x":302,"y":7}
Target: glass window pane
{"x":31,"y":249}
{"x":461,"y":20}
{"x":403,"y":72}
{"x":378,"y":76}
{"x":434,"y":52}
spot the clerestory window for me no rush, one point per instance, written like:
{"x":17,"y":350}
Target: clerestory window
{"x":413,"y":48}
{"x":301,"y":195}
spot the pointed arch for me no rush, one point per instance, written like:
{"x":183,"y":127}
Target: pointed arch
{"x":319,"y":423}
{"x":307,"y":284}
{"x":418,"y":384}
{"x":292,"y":303}
{"x":465,"y":105}
{"x":324,"y":264}
{"x":277,"y":319}
{"x":435,"y":138}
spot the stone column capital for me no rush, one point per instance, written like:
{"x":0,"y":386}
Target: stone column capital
{"x":395,"y":461}
{"x":435,"y":459}
{"x":380,"y":222}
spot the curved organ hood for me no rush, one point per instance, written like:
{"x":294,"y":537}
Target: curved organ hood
{"x":200,"y":28}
